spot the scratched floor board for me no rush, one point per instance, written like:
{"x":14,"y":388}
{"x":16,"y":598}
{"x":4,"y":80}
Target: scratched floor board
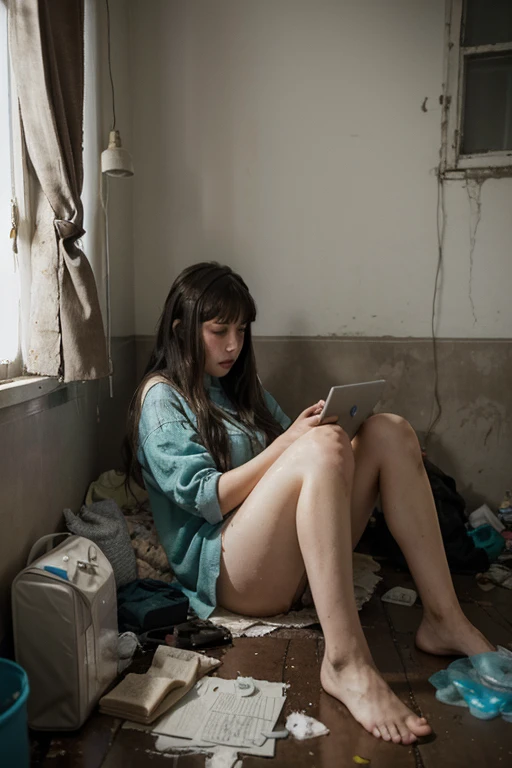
{"x":460,"y":739}
{"x":261,"y":658}
{"x":293,"y":657}
{"x":85,"y":748}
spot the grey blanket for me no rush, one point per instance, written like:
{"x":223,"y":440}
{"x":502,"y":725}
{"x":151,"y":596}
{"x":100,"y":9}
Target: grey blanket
{"x":104,"y":523}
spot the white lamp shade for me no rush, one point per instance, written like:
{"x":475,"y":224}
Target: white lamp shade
{"x":116,"y":161}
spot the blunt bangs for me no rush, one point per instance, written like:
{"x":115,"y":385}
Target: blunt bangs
{"x":228,"y":301}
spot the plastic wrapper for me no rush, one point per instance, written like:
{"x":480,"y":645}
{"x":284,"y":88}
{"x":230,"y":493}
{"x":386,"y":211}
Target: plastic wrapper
{"x":483,"y":683}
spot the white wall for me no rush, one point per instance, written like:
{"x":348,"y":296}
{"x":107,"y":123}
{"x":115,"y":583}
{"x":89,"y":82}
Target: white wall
{"x":287,"y":139}
{"x":119,"y":195}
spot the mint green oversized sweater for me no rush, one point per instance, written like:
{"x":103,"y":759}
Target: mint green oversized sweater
{"x":181,"y":479}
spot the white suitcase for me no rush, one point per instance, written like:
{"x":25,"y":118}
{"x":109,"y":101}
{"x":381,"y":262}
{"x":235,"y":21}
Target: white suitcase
{"x":65,"y":630}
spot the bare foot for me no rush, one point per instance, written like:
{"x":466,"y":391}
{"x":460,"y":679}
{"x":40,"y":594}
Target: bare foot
{"x":372,"y":703}
{"x":455,"y":638}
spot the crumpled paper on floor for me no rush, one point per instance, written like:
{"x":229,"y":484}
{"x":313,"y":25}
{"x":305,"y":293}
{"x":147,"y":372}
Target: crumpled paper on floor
{"x":365,"y":580}
{"x":224,"y":757}
{"x":185,"y":719}
{"x":303,"y":726}
{"x":500,"y":575}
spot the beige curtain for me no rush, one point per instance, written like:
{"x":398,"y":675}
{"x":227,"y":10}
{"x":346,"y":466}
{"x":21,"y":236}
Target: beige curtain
{"x":66,"y":335}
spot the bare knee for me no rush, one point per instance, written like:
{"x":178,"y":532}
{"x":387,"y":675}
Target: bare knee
{"x":392,"y":434}
{"x":327,"y":448}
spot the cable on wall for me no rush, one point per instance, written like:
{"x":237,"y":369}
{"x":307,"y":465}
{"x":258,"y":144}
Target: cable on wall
{"x":115,"y":161}
{"x":110,"y":70}
{"x":437,"y":408}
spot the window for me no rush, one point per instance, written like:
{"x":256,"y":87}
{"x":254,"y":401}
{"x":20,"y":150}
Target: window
{"x":478,"y":87}
{"x":10,"y":357}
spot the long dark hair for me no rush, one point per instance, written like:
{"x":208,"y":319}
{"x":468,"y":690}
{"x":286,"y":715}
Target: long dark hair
{"x":202,"y":292}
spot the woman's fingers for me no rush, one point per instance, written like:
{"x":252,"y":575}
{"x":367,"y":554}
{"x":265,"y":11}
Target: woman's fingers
{"x":312,"y":410}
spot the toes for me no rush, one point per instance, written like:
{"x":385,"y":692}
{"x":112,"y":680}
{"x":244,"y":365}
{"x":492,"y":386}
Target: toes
{"x":376,"y":732}
{"x":418,"y":725}
{"x":405,"y":734}
{"x":384,"y":732}
{"x":394,"y":733}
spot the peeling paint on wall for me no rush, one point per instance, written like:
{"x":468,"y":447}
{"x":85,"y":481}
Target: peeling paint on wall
{"x":474,"y":190}
{"x":483,"y":414}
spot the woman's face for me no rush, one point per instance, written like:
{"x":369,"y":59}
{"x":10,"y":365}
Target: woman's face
{"x":223,"y":343}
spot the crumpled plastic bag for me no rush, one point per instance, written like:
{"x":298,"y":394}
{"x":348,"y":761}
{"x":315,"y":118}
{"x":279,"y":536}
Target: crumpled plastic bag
{"x":483,"y":683}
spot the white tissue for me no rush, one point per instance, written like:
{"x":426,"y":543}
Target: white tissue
{"x":305,"y":727}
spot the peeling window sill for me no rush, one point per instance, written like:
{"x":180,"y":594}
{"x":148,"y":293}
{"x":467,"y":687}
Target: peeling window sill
{"x":24,"y":388}
{"x":480,"y":174}
{"x":27,"y":396}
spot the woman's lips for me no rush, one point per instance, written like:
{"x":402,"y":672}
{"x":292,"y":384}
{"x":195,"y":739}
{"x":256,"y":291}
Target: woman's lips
{"x":227,"y":363}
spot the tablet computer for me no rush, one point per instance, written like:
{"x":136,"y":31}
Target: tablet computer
{"x":352,"y":404}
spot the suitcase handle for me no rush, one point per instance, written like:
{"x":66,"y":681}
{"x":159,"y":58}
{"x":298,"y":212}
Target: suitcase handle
{"x":48,"y":541}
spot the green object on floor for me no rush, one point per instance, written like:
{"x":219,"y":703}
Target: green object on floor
{"x":486,"y":537}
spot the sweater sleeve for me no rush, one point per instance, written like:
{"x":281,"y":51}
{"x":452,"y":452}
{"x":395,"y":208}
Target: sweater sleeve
{"x":172,"y":456}
{"x":276,"y":411}
{"x":181,"y":468}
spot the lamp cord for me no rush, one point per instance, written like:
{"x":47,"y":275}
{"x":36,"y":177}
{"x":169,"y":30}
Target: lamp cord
{"x":441,"y":230}
{"x":104,"y":204}
{"x":110,"y":69}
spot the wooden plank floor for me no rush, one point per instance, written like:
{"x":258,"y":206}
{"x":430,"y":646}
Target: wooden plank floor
{"x":293,"y":656}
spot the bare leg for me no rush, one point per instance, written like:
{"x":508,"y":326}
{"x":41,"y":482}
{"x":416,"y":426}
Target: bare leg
{"x":388,"y":459}
{"x":299,"y":515}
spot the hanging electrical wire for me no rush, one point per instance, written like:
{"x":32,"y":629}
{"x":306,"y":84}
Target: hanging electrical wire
{"x":441,"y":230}
{"x":117,"y":162}
{"x":110,"y":69}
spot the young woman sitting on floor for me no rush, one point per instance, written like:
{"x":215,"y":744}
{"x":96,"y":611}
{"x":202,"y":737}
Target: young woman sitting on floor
{"x":248,"y":505}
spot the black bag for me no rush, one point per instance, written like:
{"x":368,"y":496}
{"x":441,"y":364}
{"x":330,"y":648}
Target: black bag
{"x":461,"y":553}
{"x":146,"y":604}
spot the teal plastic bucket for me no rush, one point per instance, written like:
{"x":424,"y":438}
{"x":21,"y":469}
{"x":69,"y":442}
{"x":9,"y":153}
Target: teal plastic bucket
{"x":14,"y":747}
{"x":486,"y":537}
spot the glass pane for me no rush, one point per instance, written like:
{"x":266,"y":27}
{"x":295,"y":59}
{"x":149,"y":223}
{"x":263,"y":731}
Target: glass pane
{"x":487,"y":21}
{"x":487,"y":111}
{"x":9,"y":312}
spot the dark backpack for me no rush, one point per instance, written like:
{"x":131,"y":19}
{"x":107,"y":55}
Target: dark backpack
{"x":461,"y":553}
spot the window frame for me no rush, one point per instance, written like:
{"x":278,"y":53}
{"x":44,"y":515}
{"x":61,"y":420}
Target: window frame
{"x":12,"y":368}
{"x":453,"y":95}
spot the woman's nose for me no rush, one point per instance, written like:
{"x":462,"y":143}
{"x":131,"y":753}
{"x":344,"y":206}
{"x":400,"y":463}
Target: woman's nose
{"x":232,"y":342}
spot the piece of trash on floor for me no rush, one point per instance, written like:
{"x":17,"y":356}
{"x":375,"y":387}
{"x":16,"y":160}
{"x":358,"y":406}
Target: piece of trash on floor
{"x":482,"y":682}
{"x":216,"y":757}
{"x":213,"y":713}
{"x":505,"y":510}
{"x":127,"y":644}
{"x":400,"y":596}
{"x":223,"y":757}
{"x":484,"y":583}
{"x":282,"y":734}
{"x":303,"y":726}
{"x":245,"y":686}
{"x":500,"y":575}
{"x":361,"y":760}
{"x":484,"y":515}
